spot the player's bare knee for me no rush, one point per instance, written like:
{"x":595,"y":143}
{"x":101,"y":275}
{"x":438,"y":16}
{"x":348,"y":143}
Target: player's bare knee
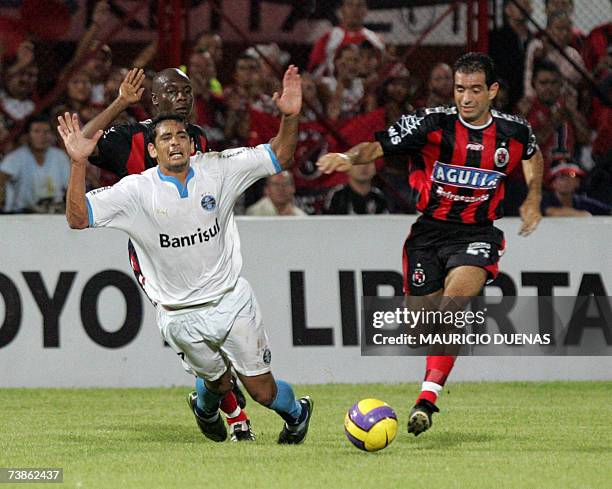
{"x":263,"y":395}
{"x":464,"y":281}
{"x":262,"y":388}
{"x":222,"y":385}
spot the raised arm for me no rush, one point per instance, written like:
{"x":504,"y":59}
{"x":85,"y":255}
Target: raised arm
{"x":533,"y":170}
{"x":79,"y":148}
{"x":289,"y":103}
{"x":130,"y":92}
{"x":90,"y":41}
{"x":146,"y":55}
{"x":25,"y":57}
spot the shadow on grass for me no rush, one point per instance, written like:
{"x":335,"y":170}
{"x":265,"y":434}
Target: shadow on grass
{"x":447,"y":439}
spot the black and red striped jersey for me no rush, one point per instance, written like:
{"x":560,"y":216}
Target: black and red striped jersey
{"x":122,"y":150}
{"x":458,"y":168}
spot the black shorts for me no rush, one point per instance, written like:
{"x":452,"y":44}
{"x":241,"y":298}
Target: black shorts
{"x":434,"y":247}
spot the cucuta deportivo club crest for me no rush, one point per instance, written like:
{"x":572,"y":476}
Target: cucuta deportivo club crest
{"x":418,"y":276}
{"x":501,"y":157}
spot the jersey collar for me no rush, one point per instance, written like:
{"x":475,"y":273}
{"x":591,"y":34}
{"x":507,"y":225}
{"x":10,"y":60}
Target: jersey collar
{"x":472,"y":126}
{"x":181,"y":190}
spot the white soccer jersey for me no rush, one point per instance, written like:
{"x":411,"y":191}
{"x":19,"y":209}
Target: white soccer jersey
{"x":185,"y":237}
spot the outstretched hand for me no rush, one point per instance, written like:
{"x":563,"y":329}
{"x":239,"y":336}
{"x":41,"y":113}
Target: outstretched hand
{"x":290,"y":101}
{"x":332,"y":162}
{"x":130,"y":90}
{"x":530,"y":215}
{"x":77,"y":145}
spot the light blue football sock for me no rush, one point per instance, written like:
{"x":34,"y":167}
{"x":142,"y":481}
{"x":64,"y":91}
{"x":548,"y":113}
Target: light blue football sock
{"x":208,"y":401}
{"x":285,"y":403}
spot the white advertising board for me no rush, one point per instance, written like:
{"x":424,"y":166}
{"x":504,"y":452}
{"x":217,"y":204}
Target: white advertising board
{"x":71,"y":314}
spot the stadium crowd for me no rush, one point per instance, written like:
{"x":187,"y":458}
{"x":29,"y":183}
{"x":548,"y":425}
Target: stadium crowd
{"x":353,"y":85}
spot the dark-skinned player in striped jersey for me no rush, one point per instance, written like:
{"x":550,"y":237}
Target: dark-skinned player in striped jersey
{"x":459,"y":156}
{"x":122,"y":150}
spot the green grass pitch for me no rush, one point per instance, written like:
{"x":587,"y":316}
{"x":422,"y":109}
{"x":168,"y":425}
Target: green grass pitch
{"x":488,"y":435}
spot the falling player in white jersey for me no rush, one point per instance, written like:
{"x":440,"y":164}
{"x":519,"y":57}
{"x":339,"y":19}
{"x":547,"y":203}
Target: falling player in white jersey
{"x":179,"y":216}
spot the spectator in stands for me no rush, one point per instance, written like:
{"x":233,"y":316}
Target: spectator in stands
{"x":209,"y":107}
{"x":246,"y":78}
{"x":508,"y":46}
{"x":91,"y":55}
{"x":20,"y":79}
{"x":597,"y":51}
{"x":599,"y":182}
{"x":563,"y":201}
{"x":350,"y":31}
{"x":393,"y":100}
{"x":272,"y":64}
{"x":358,"y":196}
{"x":577,"y":37}
{"x":344,"y":89}
{"x":146,"y":55}
{"x":559,"y":28}
{"x":557,"y":124}
{"x":77,"y":98}
{"x":439,"y":87}
{"x":370,"y":61}
{"x":34,"y":177}
{"x":555,"y":119}
{"x":207,"y":42}
{"x":245,"y":94}
{"x":314,"y":141}
{"x":311,"y":95}
{"x":98,"y":67}
{"x":278,"y":198}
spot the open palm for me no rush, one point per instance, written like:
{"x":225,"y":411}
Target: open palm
{"x":290,"y":101}
{"x":131,"y":88}
{"x":77,"y":145}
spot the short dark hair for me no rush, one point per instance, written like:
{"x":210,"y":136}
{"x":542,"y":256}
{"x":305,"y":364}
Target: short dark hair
{"x":37,"y":119}
{"x":245,"y":56}
{"x":474,"y":63}
{"x":165,"y":117}
{"x":544,"y":65}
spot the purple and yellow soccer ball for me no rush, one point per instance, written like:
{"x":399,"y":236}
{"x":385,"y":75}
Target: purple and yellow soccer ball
{"x":370,"y":425}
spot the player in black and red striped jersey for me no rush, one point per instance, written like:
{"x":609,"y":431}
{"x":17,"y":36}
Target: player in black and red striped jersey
{"x":459,"y":158}
{"x":122,"y":150}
